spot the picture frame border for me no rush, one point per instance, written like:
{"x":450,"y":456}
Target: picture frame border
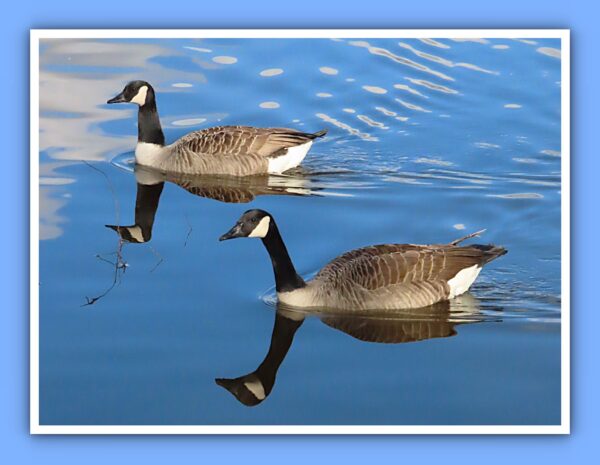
{"x":39,"y":34}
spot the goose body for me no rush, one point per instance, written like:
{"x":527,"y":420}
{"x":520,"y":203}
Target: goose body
{"x":379,"y":277}
{"x":393,"y":276}
{"x":221,"y":150}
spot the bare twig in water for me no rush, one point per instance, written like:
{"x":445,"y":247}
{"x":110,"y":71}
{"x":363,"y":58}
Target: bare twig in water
{"x":189,"y":233}
{"x":469,"y":236}
{"x":157,"y":255}
{"x":110,"y":187}
{"x":120,"y":265}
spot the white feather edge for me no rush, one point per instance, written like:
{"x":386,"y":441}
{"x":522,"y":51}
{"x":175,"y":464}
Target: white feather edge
{"x":463,"y":280}
{"x":292,"y":158}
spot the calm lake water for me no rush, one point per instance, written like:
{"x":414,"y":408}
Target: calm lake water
{"x":428,"y":141}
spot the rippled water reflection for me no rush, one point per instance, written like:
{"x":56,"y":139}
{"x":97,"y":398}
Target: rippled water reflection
{"x":428,"y":140}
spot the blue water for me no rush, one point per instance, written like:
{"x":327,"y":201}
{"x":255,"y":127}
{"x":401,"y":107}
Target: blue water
{"x":428,"y":141}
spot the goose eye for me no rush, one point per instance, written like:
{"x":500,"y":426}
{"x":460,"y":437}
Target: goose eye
{"x":254,"y":220}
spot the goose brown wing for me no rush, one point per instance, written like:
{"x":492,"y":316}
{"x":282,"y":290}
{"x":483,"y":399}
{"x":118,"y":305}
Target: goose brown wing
{"x":241,"y":140}
{"x":380,"y":266}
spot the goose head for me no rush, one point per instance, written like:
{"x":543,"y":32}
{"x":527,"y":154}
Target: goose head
{"x":253,"y":223}
{"x":138,"y":92}
{"x":248,"y":389}
{"x":131,"y":234}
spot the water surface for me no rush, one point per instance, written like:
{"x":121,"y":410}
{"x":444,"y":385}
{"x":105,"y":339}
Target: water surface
{"x":428,"y":140}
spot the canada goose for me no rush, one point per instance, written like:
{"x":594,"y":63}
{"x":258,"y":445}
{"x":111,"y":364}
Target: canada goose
{"x":384,"y":277}
{"x":437,"y":321}
{"x":228,"y":150}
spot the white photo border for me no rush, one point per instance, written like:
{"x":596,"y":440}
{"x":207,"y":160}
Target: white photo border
{"x":37,"y":34}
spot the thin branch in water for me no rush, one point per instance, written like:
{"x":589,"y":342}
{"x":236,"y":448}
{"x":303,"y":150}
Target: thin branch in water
{"x":157,"y":255}
{"x":120,"y":266}
{"x":110,"y":187}
{"x":106,"y":260}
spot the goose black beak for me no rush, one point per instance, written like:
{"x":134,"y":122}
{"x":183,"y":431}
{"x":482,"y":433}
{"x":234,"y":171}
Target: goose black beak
{"x":118,"y":99}
{"x":224,"y":382}
{"x":234,"y":232}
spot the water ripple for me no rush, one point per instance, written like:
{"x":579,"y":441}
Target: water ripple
{"x":375,"y":89}
{"x":346,"y":127}
{"x":409,"y":89}
{"x":549,"y":51}
{"x":401,"y":60}
{"x":444,"y":61}
{"x":432,"y":86}
{"x":412,"y":106}
{"x":371,"y":122}
{"x":435,"y":43}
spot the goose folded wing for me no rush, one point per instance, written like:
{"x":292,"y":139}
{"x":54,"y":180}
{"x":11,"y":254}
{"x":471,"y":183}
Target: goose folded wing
{"x":381,"y":266}
{"x":241,"y":140}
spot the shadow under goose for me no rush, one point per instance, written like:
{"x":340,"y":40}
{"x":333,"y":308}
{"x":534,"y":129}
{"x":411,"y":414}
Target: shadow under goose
{"x":228,"y":189}
{"x":436,"y":321}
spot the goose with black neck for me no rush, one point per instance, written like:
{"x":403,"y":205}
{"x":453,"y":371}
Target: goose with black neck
{"x":372,"y":278}
{"x":221,"y":150}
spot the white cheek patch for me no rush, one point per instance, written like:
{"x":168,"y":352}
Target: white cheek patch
{"x":140,"y":97}
{"x":256,"y":388}
{"x":262,"y":228}
{"x":136,"y":233}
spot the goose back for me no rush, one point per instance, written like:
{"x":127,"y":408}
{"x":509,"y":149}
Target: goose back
{"x":397,"y":276}
{"x":232,"y":150}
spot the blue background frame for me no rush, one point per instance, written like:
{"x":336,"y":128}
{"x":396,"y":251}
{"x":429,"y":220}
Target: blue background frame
{"x":19,"y":447}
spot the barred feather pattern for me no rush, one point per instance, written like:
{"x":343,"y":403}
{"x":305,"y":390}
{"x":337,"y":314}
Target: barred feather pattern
{"x":394,"y":276}
{"x":231,"y":150}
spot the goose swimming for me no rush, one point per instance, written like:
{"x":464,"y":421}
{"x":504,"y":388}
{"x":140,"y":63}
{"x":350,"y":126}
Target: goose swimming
{"x":378,"y":277}
{"x":222,"y":150}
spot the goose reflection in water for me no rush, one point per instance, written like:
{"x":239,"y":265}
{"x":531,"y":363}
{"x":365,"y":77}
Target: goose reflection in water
{"x":229,"y":189}
{"x":436,"y":321}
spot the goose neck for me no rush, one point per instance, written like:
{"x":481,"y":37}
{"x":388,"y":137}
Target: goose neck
{"x":286,"y":277}
{"x":149,"y":129}
{"x":281,"y":341}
